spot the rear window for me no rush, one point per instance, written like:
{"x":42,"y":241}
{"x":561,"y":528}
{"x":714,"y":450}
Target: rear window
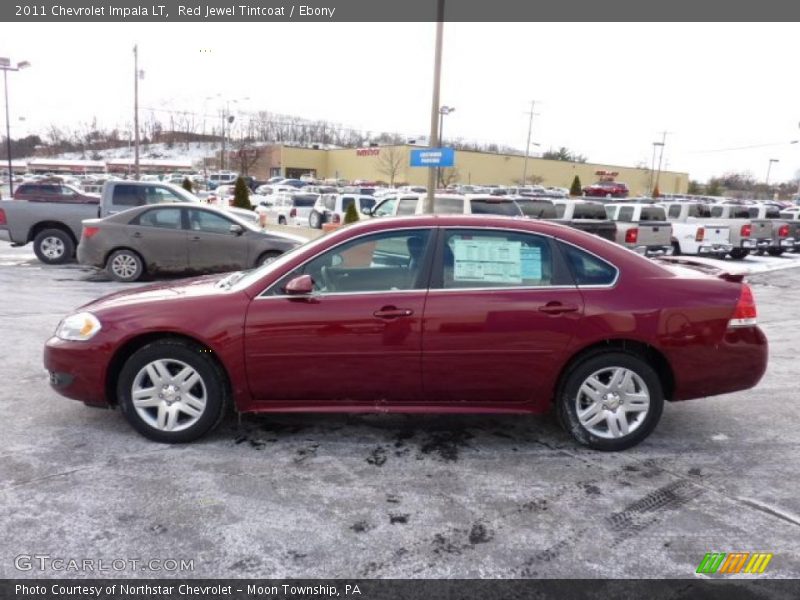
{"x":699,"y":211}
{"x":304,"y":201}
{"x":653,"y":213}
{"x":128,"y":195}
{"x":495,"y":207}
{"x":589,"y":211}
{"x":588,"y":269}
{"x":773,"y":213}
{"x":539,"y":210}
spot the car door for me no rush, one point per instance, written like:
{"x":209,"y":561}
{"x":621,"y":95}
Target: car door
{"x":212,"y":244}
{"x":499,"y":317}
{"x":159,"y":237}
{"x":357,"y":339}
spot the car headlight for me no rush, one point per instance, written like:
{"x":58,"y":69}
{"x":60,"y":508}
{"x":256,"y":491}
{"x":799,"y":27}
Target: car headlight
{"x":79,"y":327}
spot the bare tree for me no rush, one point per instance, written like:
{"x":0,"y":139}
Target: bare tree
{"x":449,"y":175}
{"x":391,"y":161}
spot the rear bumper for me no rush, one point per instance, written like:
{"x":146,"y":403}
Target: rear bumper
{"x":75,"y":371}
{"x":787,"y":243}
{"x":87,"y":255}
{"x":737,"y":363}
{"x":748,"y":244}
{"x":714,"y":248}
{"x":654,"y":250}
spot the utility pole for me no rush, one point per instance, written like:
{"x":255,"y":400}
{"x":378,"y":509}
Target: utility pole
{"x":437,"y":76}
{"x":528,"y":143}
{"x":136,"y":111}
{"x":661,"y":156}
{"x":5,"y":66}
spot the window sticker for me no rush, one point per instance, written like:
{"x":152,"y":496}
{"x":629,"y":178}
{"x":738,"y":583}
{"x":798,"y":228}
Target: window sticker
{"x":530,"y":262}
{"x":487,"y":260}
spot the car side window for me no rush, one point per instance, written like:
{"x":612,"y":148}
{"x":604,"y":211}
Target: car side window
{"x":164,"y":218}
{"x":382,"y":262}
{"x":625,"y":214}
{"x":127,"y":195}
{"x":346,"y":202}
{"x":385,"y":208}
{"x":208,"y":222}
{"x":587,"y":269}
{"x":488,"y":259}
{"x":674,"y":210}
{"x":406,"y":206}
{"x":716,"y":211}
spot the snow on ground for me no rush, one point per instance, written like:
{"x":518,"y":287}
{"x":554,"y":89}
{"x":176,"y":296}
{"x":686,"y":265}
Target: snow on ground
{"x":751,"y":264}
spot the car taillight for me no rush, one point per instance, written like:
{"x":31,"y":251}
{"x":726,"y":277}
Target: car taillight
{"x":632,"y":235}
{"x":293,"y":213}
{"x":783,"y":231}
{"x":746,"y":230}
{"x":89,"y":232}
{"x":336,"y":218}
{"x":2,"y":217}
{"x":701,"y":233}
{"x":744,"y":315}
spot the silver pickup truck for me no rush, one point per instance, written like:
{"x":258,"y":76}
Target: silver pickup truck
{"x":642,"y":228}
{"x":771,"y":232}
{"x":55,"y":227}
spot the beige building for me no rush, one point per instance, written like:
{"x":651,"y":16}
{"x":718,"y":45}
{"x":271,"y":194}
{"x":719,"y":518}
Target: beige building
{"x":387,"y":163}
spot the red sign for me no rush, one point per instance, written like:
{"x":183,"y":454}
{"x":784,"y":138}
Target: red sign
{"x":368,"y":151}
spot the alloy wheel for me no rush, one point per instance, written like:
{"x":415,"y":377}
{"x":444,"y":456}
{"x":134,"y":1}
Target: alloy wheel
{"x":169,"y":395}
{"x":612,"y":403}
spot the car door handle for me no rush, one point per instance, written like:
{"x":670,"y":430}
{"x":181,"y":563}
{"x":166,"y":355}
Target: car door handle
{"x":390,"y":312}
{"x":195,"y":238}
{"x":137,"y":235}
{"x":556,"y":308}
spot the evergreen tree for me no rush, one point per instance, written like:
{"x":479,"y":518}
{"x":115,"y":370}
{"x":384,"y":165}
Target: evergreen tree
{"x":187,"y":185}
{"x":241,"y":194}
{"x":576,"y":189}
{"x":351,"y":214}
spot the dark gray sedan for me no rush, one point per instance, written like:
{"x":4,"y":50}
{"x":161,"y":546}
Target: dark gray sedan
{"x":176,"y":238}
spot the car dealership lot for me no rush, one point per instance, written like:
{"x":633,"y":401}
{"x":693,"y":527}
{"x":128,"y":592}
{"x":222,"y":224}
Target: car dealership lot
{"x":393,"y":495}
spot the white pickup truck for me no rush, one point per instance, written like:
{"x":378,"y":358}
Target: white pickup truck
{"x":55,"y":227}
{"x":694,"y":231}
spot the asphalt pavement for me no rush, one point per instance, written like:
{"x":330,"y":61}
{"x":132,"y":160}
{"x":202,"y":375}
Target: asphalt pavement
{"x":390,"y":495}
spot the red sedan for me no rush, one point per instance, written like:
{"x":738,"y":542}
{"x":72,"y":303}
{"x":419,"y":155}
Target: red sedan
{"x":420,"y":314}
{"x":607,"y":189}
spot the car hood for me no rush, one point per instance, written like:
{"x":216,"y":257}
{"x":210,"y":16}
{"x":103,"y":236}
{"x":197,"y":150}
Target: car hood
{"x":159,"y":292}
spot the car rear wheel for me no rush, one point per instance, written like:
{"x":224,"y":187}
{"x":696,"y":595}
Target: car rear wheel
{"x":172,"y":391}
{"x":125,"y":265}
{"x":53,"y":246}
{"x":739,"y":253}
{"x":611,"y":401}
{"x":314,"y":220}
{"x":775,"y":251}
{"x":268,"y":257}
{"x":676,"y":249}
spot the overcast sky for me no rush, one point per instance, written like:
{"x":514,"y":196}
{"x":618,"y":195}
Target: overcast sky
{"x":604,"y":90}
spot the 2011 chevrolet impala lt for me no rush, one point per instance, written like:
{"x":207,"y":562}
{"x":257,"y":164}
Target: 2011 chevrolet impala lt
{"x":421,"y":314}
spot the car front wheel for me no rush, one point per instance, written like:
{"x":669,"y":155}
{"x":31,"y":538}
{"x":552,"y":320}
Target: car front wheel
{"x":611,"y":401}
{"x":172,"y":391}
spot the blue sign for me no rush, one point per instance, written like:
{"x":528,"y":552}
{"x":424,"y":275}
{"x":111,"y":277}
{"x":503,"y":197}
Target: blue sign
{"x":433,"y":157}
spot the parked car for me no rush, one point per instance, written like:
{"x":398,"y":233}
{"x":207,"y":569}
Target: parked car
{"x":607,"y":189}
{"x":176,"y":238}
{"x":449,"y":204}
{"x":290,"y":208}
{"x":220,"y":178}
{"x":331,"y":208}
{"x":520,"y":316}
{"x":642,"y":228}
{"x":695,"y":232}
{"x":585,"y":215}
{"x":744,"y":230}
{"x":41,"y":191}
{"x":792,"y":218}
{"x":776,"y":233}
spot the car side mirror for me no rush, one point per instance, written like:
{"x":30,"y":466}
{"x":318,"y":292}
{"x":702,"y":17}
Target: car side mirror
{"x":302,"y":285}
{"x":236,"y":229}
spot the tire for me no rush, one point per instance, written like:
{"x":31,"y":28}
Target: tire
{"x":160,"y":415}
{"x":53,"y":246}
{"x":775,"y":251}
{"x":739,"y":253}
{"x":125,"y":265}
{"x":721,"y":255}
{"x":676,"y":249}
{"x":760,"y":252}
{"x":591,"y":377}
{"x":268,"y":257}
{"x":281,"y":220}
{"x":315,"y":220}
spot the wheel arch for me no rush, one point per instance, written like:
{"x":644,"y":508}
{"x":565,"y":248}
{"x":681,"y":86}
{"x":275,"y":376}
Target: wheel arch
{"x":647,"y":352}
{"x":37,"y":228}
{"x":126,"y":350}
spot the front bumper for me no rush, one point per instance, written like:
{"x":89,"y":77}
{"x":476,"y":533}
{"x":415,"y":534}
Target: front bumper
{"x":715,"y":249}
{"x":77,"y":370}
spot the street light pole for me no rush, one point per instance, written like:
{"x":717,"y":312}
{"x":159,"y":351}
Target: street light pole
{"x":769,"y":168}
{"x":528,"y":144}
{"x":443,"y":111}
{"x":660,"y":157}
{"x":437,"y":76}
{"x":5,"y":65}
{"x":136,"y":111}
